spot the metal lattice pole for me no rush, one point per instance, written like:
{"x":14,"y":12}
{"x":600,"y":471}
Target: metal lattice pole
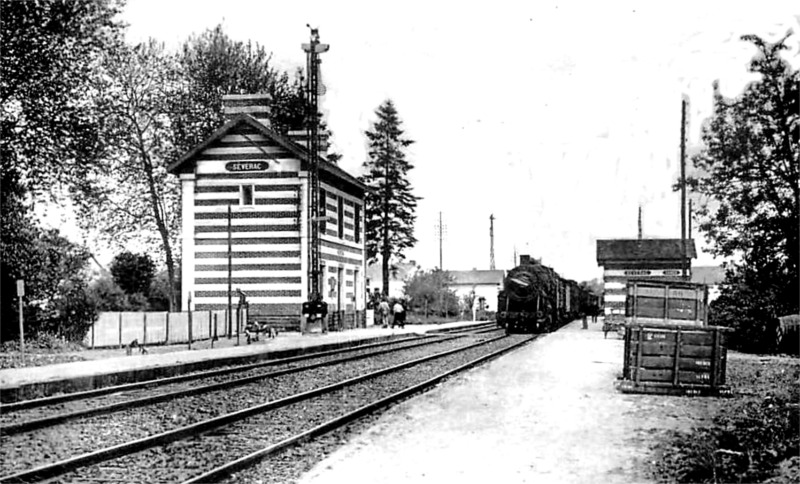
{"x":313,"y":49}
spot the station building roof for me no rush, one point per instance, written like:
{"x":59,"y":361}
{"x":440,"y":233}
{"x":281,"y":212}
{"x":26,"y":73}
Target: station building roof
{"x":187,"y":162}
{"x":641,"y":250}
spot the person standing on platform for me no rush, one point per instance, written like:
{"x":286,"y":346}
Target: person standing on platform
{"x":399,"y":315}
{"x":383,"y":308}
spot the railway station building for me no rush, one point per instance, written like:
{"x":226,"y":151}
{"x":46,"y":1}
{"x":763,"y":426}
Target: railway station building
{"x":623,"y":259}
{"x":246,"y":222}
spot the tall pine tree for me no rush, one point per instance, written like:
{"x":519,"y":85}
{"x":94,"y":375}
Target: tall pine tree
{"x":390,"y":212}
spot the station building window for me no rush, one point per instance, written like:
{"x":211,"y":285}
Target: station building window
{"x":357,"y":214}
{"x":246,"y":195}
{"x":341,"y":217}
{"x":323,"y":211}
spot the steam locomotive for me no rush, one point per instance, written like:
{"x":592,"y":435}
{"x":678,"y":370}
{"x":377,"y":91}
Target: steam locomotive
{"x":535,"y":299}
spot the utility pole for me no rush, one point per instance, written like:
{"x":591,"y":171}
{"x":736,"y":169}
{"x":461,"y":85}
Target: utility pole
{"x":640,"y":222}
{"x":312,"y":50}
{"x":441,"y":230}
{"x":230,"y":269}
{"x":491,"y":242}
{"x":684,"y":264}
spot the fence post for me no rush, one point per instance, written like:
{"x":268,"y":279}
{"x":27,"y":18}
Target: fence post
{"x":93,"y":324}
{"x":213,"y":336}
{"x":189,"y":307}
{"x":144,"y":328}
{"x":209,"y":324}
{"x":166,"y":330}
{"x":120,"y":330}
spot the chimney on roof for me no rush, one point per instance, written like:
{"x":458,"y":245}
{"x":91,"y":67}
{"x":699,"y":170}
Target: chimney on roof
{"x":256,"y":105}
{"x":524,"y":260}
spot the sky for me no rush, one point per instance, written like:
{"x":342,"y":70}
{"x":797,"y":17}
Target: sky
{"x":560,"y":118}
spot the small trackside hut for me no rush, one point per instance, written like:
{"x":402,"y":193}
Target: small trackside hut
{"x":624,"y":259}
{"x":246,"y":223}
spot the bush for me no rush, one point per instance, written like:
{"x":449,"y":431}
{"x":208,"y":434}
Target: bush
{"x":749,"y":440}
{"x":106,"y":295}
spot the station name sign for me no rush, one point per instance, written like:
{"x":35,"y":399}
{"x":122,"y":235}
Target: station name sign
{"x":238,"y":166}
{"x":644,"y":272}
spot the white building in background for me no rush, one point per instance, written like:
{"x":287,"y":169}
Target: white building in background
{"x":485,"y":284}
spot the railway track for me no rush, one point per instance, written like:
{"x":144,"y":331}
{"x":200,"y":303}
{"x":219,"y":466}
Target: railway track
{"x":112,"y":399}
{"x":193,"y":450}
{"x":51,"y":401}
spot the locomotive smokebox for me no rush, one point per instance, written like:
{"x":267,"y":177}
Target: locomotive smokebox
{"x":520,"y":284}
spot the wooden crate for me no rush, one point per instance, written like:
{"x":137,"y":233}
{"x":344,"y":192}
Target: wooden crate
{"x":666,"y":302}
{"x":674,"y":359}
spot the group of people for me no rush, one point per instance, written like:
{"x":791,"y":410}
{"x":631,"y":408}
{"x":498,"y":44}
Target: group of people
{"x":394,"y":315}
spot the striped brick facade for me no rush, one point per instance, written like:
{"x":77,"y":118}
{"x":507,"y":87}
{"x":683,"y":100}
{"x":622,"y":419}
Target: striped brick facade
{"x":262,"y":178}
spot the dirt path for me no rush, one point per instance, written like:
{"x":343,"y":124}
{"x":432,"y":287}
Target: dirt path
{"x":548,"y":413}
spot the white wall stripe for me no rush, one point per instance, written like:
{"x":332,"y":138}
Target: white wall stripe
{"x":246,"y":235}
{"x":253,"y":273}
{"x":251,"y":300}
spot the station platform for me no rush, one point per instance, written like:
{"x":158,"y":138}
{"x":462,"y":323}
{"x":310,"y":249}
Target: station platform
{"x":114,"y":367}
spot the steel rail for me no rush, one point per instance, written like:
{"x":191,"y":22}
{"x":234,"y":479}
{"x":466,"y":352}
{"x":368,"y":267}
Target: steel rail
{"x":463,"y":329}
{"x":41,"y":402}
{"x":57,"y":468}
{"x":33,"y":424}
{"x":226,"y":470}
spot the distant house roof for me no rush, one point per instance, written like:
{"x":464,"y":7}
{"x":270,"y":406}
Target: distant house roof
{"x":614,"y":250}
{"x":711,"y":275}
{"x":475,"y":277}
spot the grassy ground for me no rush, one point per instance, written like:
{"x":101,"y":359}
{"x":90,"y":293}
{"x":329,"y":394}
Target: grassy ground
{"x":45,"y":350}
{"x":755,"y":436}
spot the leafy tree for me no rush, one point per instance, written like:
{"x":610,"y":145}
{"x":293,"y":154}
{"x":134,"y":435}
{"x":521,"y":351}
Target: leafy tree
{"x":131,"y":196}
{"x":54,"y":273}
{"x":748,"y":176}
{"x":106,"y":295}
{"x":133,"y":273}
{"x":213,"y":65}
{"x":428,"y":290}
{"x":468,"y":301}
{"x":390,"y":205}
{"x":158,"y":297}
{"x":48,"y":124}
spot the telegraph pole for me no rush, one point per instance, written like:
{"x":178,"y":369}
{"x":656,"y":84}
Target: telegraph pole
{"x":684,"y":264}
{"x":491,"y":242}
{"x":441,"y":229}
{"x":640,"y":222}
{"x":312,"y":50}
